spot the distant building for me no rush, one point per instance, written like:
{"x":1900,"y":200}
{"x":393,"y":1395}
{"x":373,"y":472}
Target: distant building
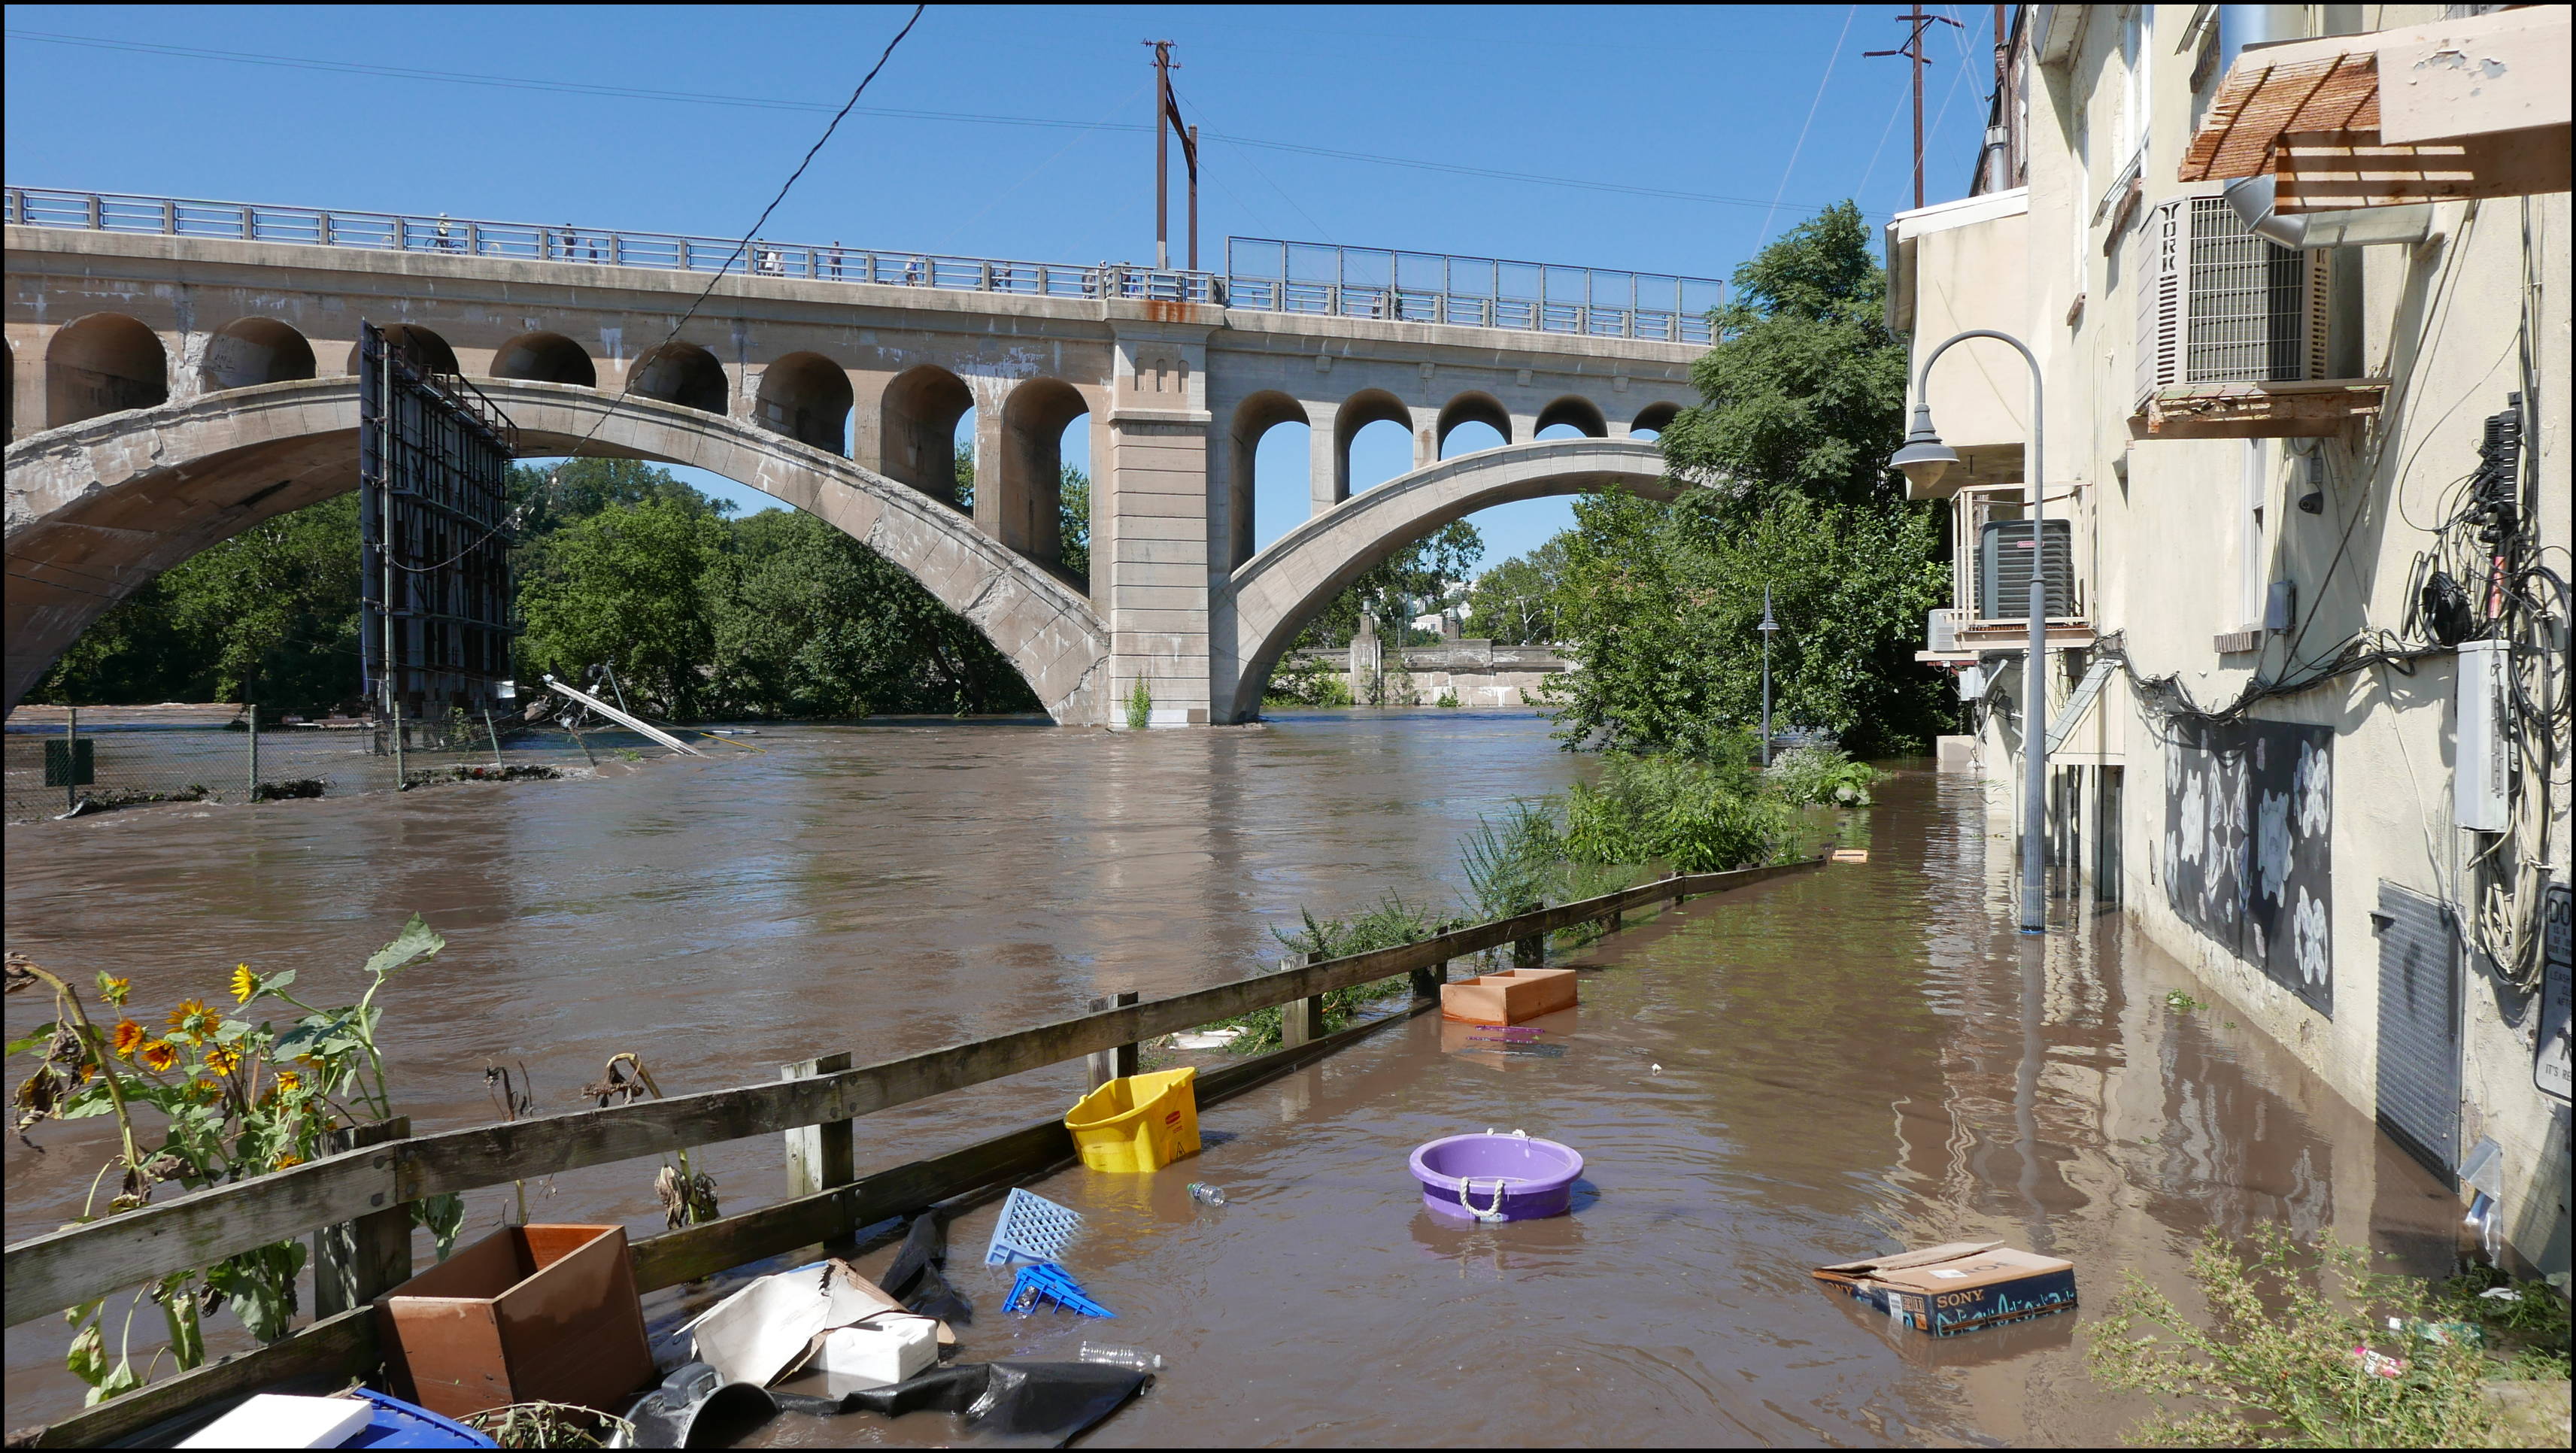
{"x":2299,"y":297}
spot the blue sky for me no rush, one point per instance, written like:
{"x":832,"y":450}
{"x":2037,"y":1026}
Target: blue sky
{"x":1758,"y":114}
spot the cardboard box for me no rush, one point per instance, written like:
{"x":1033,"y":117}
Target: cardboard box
{"x":1510,"y":997}
{"x":530,"y":1314}
{"x":1959,"y":1287}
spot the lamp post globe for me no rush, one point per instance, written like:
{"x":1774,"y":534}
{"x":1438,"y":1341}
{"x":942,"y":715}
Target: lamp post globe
{"x":1924,"y":459}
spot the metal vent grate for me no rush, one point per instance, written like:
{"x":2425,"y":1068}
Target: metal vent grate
{"x":2004,"y":566}
{"x":2419,"y":1018}
{"x":2251,"y":302}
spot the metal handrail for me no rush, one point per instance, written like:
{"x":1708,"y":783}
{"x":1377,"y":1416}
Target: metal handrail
{"x":666,"y":251}
{"x":1274,"y":275}
{"x":1314,"y":278}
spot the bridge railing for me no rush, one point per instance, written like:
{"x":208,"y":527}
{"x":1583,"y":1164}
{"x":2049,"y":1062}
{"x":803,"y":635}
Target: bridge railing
{"x":1273,"y":276}
{"x":667,"y":251}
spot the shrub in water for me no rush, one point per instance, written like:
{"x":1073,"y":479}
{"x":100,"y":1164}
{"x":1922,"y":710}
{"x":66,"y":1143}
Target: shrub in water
{"x":1694,"y":817}
{"x":1824,"y":775}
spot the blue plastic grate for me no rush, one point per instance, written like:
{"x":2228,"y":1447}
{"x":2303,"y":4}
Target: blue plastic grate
{"x":1031,"y":1229}
{"x":1047,"y":1282}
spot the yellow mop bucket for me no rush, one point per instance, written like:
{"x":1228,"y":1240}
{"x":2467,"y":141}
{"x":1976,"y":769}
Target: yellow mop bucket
{"x":1140,"y":1123}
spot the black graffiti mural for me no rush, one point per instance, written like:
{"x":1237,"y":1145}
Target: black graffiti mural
{"x":2249,"y":828}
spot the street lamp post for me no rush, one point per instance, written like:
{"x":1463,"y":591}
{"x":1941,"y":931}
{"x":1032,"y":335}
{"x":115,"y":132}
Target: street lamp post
{"x":1768,"y":628}
{"x":1925,"y":459}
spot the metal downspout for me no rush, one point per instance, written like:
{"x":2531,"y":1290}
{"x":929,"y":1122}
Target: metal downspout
{"x":2255,"y":198}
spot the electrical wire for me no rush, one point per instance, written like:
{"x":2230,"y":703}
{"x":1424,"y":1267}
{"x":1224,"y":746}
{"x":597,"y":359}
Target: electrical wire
{"x":1832,"y":58}
{"x":633,"y":93}
{"x":635,"y":375}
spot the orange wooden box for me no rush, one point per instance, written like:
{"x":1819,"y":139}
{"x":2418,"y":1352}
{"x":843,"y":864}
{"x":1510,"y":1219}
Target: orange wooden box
{"x":1509,"y":997}
{"x":533,"y":1313}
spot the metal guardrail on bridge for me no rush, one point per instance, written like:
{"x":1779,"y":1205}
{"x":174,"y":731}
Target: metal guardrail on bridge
{"x":1270,"y":275}
{"x":1263,"y":274}
{"x":666,"y":251}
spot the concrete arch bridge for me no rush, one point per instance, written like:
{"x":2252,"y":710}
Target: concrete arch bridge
{"x":167,"y":389}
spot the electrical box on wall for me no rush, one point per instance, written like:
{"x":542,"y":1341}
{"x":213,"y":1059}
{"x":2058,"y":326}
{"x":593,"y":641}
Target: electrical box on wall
{"x":2482,"y":756}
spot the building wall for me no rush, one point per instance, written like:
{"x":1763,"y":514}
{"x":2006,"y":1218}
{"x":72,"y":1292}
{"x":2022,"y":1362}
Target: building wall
{"x":2178,"y":540}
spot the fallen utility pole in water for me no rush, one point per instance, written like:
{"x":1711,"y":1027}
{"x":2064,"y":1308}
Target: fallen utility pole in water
{"x":372,"y":1188}
{"x":636,"y":723}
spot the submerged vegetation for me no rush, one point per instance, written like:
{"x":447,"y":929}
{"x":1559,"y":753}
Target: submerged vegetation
{"x":2313,"y":1349}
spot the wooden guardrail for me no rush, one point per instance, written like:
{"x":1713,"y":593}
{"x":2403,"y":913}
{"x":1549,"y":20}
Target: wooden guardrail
{"x":47,"y":1273}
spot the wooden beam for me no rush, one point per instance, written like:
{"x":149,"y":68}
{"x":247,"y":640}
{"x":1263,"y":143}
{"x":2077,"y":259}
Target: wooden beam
{"x":47,"y":1273}
{"x":820,"y":1157}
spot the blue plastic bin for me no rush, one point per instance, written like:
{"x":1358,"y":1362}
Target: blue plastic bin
{"x":394,"y":1423}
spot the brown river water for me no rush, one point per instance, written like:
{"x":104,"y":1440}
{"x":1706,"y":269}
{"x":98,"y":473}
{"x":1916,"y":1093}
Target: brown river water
{"x":1833,"y":1065}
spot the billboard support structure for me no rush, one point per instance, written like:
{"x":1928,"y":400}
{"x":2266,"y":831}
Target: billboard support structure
{"x":434,"y":541}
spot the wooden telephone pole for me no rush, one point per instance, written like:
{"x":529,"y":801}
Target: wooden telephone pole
{"x":1912,"y":50}
{"x":1167,"y":124}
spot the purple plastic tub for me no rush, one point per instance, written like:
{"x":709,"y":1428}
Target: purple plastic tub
{"x":1491,"y":1177}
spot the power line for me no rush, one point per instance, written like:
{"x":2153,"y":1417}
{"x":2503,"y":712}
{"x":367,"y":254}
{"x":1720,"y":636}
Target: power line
{"x":635,"y":374}
{"x":1831,"y":58}
{"x":638,"y":93}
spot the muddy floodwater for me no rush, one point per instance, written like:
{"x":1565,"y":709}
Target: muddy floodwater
{"x":1836,"y":1064}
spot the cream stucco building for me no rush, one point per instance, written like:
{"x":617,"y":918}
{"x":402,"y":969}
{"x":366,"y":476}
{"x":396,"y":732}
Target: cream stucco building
{"x":2296,"y":279}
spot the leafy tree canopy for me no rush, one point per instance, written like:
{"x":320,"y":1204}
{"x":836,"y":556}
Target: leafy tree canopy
{"x":1514,"y":603}
{"x":1421,"y":574}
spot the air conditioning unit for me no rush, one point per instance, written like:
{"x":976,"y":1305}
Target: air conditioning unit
{"x":2217,"y":304}
{"x":2004,"y":568}
{"x":1941,"y":630}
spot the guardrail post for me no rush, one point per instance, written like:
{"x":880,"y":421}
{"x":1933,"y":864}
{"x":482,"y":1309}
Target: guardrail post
{"x":1118,"y":1061}
{"x":1427,"y":982}
{"x":1301,"y":1021}
{"x":1675,"y":880}
{"x":820,"y":1157}
{"x":358,"y":1261}
{"x":1530,"y":952}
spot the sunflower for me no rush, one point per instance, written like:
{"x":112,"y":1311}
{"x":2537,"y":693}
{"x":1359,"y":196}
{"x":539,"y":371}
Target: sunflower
{"x":223,"y":1061}
{"x":158,"y":1055}
{"x":287,"y":1158}
{"x":128,"y":1035}
{"x":114,"y":989}
{"x":245,"y":983}
{"x":288,"y":1082}
{"x":194,"y":1016}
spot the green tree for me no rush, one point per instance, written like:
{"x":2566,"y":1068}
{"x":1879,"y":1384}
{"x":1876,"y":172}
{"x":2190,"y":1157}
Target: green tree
{"x":270,"y":615}
{"x":1514,"y":604}
{"x":813,"y":623}
{"x":1802,"y":398}
{"x":628,"y":586}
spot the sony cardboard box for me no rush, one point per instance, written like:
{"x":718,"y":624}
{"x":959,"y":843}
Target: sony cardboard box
{"x":1960,"y":1287}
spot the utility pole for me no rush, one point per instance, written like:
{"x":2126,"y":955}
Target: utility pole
{"x":1768,"y":628}
{"x":1912,"y":50}
{"x":1167,"y":124}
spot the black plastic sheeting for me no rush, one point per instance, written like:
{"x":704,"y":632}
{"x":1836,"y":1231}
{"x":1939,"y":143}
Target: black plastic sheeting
{"x":997,"y":1404}
{"x":914,"y":1276}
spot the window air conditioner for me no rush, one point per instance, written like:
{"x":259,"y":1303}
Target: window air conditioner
{"x":2217,"y":304}
{"x":2004,"y":568}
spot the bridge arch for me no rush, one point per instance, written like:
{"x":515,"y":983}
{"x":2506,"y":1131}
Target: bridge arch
{"x":1269,"y":600}
{"x":684,"y":374}
{"x":1576,"y":412}
{"x":917,"y":429}
{"x":1368,"y":406}
{"x":97,"y":509}
{"x":105,"y":363}
{"x":1654,"y":419}
{"x":1472,"y":407}
{"x":1028,"y":497}
{"x":807,"y":397}
{"x":1254,"y":418}
{"x":423,"y":350}
{"x":545,"y":358}
{"x":251,"y":351}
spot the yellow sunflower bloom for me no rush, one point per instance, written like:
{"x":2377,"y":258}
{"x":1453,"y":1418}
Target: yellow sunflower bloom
{"x":288,"y":1082}
{"x":194,"y":1015}
{"x":129,"y":1036}
{"x":245,"y":984}
{"x":158,"y":1055}
{"x":223,"y":1061}
{"x":286,"y":1158}
{"x":114,"y":989}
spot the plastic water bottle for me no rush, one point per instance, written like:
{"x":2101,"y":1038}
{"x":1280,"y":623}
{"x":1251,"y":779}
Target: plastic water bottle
{"x":1110,"y":1354}
{"x":1207,"y":1195}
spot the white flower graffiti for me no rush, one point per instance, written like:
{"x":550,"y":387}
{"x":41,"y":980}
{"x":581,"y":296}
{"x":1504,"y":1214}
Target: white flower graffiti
{"x":2272,"y":845}
{"x":2316,"y":792}
{"x":2309,"y":936}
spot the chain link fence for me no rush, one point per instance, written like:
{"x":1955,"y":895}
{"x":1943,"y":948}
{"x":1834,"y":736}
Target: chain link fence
{"x":66,"y":759}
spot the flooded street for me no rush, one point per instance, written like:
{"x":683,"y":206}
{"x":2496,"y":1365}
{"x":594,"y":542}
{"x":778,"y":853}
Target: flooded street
{"x":1851,"y":1060}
